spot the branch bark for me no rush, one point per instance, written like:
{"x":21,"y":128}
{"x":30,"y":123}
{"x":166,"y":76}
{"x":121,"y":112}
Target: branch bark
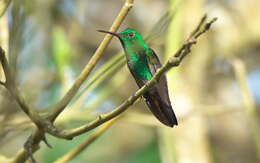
{"x":13,"y":90}
{"x":34,"y":140}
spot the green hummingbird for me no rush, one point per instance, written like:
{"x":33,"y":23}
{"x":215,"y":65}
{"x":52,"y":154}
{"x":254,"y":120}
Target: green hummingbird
{"x":143,"y":62}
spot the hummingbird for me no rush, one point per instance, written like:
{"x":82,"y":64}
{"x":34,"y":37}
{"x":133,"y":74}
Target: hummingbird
{"x":143,"y":63}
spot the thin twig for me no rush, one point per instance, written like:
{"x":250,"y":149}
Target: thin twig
{"x":38,"y":135}
{"x":13,"y":90}
{"x":206,"y":27}
{"x":60,"y":106}
{"x":195,"y":31}
{"x":173,"y":61}
{"x":31,"y":113}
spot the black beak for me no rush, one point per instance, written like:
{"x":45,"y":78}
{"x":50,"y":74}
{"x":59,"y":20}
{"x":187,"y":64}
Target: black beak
{"x":112,"y":33}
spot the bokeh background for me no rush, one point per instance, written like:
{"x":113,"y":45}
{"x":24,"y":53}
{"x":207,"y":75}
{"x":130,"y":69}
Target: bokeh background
{"x":215,"y":92}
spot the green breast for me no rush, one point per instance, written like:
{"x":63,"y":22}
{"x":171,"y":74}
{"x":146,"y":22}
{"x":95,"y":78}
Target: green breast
{"x":140,"y":66}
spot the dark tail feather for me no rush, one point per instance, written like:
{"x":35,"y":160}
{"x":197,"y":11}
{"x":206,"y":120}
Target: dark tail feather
{"x":163,"y":112}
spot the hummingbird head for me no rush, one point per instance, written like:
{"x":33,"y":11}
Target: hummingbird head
{"x":128,"y":36}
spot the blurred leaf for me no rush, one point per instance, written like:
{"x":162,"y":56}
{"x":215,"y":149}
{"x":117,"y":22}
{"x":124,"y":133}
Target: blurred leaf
{"x":61,"y":49}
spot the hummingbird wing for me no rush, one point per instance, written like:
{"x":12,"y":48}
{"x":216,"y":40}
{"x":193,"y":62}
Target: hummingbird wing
{"x":158,"y":98}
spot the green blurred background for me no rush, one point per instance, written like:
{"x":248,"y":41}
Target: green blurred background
{"x":215,"y":92}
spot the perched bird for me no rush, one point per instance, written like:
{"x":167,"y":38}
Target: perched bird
{"x":143,"y":63}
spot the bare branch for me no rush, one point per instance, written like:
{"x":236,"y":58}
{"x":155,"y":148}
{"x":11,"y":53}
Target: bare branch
{"x":31,"y":145}
{"x":15,"y":93}
{"x":195,"y":31}
{"x":34,"y":140}
{"x":173,"y":61}
{"x":13,"y":90}
{"x":60,"y":106}
{"x":38,"y":135}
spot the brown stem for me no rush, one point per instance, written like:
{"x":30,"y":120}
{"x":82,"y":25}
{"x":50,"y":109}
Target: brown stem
{"x":60,"y":106}
{"x":173,"y":61}
{"x":13,"y":90}
{"x":38,"y":135}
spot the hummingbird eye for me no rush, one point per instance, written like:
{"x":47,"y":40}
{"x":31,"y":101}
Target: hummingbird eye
{"x":131,"y":34}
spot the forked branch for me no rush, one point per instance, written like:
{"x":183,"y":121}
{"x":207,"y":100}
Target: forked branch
{"x":173,"y":61}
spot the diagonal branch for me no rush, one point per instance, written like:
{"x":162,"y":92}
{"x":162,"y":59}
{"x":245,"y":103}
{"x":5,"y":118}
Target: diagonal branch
{"x":173,"y":61}
{"x":13,"y":90}
{"x":60,"y":106}
{"x":38,"y":135}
